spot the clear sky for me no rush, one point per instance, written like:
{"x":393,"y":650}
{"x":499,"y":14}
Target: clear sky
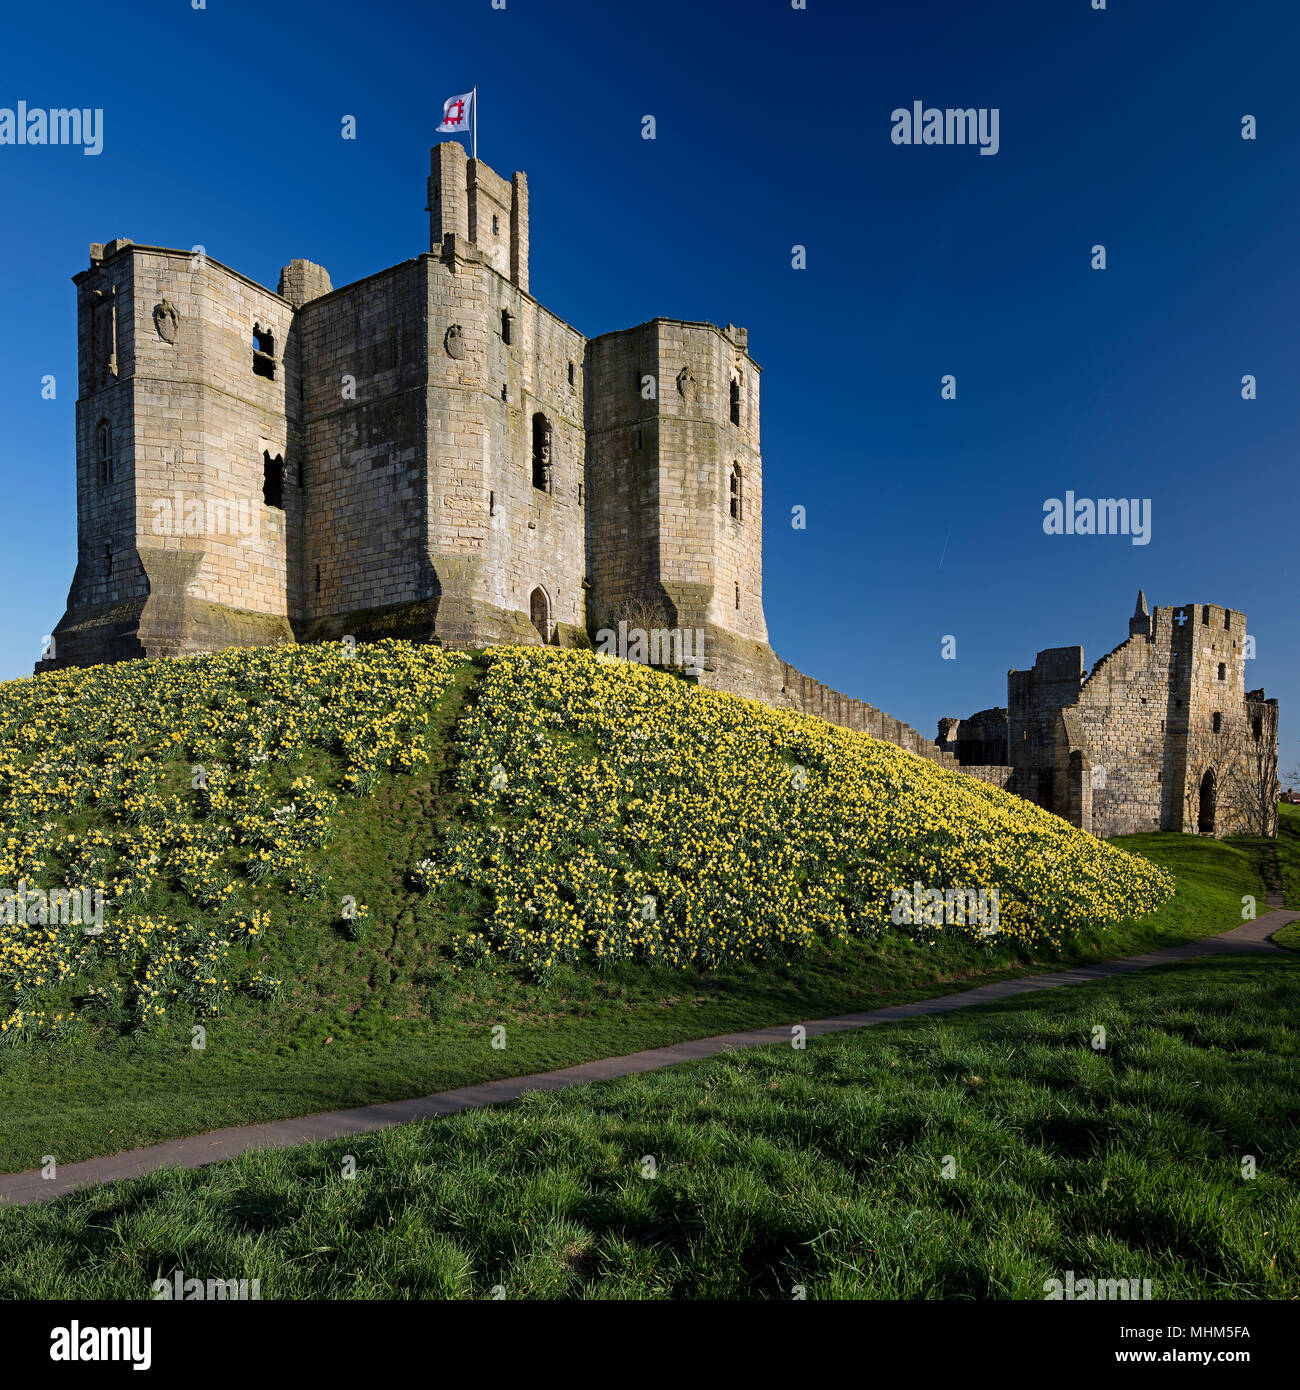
{"x":1120,"y":127}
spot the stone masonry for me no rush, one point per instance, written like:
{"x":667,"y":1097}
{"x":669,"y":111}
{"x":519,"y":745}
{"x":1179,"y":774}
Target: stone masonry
{"x":1161,"y":735}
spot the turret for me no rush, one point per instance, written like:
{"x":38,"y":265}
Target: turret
{"x":472,"y":201}
{"x":1139,"y":625}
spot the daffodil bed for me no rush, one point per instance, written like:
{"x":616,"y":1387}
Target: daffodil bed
{"x":607,"y":814}
{"x":148,"y":780}
{"x":615,"y":813}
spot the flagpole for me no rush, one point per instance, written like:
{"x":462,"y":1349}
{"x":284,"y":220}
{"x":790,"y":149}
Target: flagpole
{"x":474,"y":121}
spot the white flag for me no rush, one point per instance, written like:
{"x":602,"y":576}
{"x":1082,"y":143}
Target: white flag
{"x":456,"y":112}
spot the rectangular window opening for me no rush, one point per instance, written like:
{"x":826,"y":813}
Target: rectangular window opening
{"x":263,"y":352}
{"x":273,"y":481}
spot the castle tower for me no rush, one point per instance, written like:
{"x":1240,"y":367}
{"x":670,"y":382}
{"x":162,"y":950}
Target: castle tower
{"x":189,"y":515}
{"x":676,"y":486}
{"x":1212,"y":684}
{"x":452,"y":466}
{"x":470,"y":200}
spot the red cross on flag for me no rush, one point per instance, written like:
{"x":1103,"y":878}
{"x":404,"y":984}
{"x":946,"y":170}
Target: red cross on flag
{"x":456,"y":114}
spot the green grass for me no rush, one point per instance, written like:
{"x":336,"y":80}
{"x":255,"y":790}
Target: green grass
{"x":1288,"y":850}
{"x":387,"y":1018}
{"x":391,"y":1016}
{"x":779,"y":1168}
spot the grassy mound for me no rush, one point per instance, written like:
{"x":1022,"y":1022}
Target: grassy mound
{"x":145,"y":805}
{"x":615,"y":813}
{"x":325,"y":1010}
{"x":606,"y":814}
{"x":826,"y":1168}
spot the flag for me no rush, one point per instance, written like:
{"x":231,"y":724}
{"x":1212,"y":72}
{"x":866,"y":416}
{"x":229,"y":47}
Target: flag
{"x":456,"y":113}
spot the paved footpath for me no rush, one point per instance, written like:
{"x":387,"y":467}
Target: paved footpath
{"x":202,"y":1149}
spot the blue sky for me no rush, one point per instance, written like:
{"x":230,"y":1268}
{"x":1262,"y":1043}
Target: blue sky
{"x":1120,"y":127}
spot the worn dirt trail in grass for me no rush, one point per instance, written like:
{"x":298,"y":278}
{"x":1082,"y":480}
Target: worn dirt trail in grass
{"x":219,"y":1144}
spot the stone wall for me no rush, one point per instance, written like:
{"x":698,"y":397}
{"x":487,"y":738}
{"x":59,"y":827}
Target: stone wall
{"x":999,"y":775}
{"x":980,"y":739}
{"x":1161,"y":735}
{"x":754,"y":671}
{"x":365,"y":347}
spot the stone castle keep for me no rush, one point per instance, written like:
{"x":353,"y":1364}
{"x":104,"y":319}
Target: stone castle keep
{"x":1162,"y":735}
{"x":429,"y":453}
{"x":426,"y":453}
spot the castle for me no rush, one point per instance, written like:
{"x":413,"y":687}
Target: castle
{"x":430,"y":453}
{"x":1162,"y":735}
{"x":426,"y":453}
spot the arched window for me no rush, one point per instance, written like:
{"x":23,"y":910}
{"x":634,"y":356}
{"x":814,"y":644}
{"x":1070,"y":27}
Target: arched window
{"x":737,"y":493}
{"x":735,"y":400}
{"x":1206,"y":809}
{"x":273,"y":481}
{"x":539,"y":611}
{"x":507,"y":326}
{"x":541,"y":452}
{"x":1223,"y":671}
{"x":104,"y":452}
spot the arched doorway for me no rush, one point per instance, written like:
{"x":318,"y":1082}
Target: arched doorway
{"x":1205,"y":819}
{"x":539,"y":610}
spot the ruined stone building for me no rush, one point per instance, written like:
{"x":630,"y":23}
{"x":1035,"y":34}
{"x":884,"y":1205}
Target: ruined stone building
{"x":1161,"y":735}
{"x":426,"y":453}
